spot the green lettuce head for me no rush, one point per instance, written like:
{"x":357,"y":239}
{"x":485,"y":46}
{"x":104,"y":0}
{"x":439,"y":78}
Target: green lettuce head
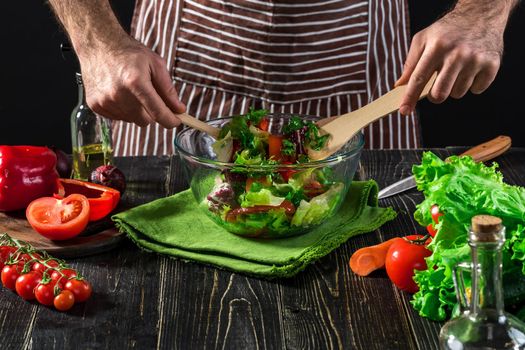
{"x":463,"y":188}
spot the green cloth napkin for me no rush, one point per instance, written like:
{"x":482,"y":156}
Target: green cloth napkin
{"x":175,"y":226}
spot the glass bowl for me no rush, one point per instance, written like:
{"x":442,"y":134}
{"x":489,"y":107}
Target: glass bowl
{"x":220,"y":188}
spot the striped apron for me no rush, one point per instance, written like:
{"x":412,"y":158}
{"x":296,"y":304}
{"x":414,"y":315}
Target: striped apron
{"x":316,"y":57}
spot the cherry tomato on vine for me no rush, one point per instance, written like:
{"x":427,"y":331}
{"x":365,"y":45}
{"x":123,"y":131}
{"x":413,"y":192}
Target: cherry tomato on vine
{"x":38,"y":267}
{"x":9,"y":275}
{"x":403,"y":257}
{"x":45,"y":293}
{"x":80,"y":288}
{"x":64,"y":300}
{"x":23,"y":258}
{"x":25,"y":284}
{"x":63,"y":275}
{"x":5,"y":253}
{"x":59,"y":219}
{"x":45,"y":266}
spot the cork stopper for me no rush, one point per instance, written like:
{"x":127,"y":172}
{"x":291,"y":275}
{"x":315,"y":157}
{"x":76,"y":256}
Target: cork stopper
{"x":486,"y":228}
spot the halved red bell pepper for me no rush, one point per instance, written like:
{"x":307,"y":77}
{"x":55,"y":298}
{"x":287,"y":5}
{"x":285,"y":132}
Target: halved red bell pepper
{"x":102,"y":199}
{"x":26,"y":173}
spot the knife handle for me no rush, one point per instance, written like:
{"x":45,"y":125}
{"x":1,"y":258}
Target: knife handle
{"x":490,"y":149}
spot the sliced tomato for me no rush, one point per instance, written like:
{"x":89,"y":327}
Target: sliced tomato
{"x":275,"y":143}
{"x":232,"y":215}
{"x":313,"y":189}
{"x":263,"y":124}
{"x":102,"y":199}
{"x":287,"y":173}
{"x":59,"y":219}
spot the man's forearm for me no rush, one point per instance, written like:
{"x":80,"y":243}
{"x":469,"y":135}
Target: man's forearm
{"x":90,"y":24}
{"x":493,"y":12}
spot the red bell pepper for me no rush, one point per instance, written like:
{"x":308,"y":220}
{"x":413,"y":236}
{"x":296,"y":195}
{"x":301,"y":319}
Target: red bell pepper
{"x":102,"y":199}
{"x":26,"y":173}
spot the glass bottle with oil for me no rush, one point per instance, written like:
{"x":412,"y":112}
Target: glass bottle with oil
{"x":90,"y":137}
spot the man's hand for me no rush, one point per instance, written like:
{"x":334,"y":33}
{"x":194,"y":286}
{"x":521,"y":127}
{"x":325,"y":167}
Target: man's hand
{"x":131,"y":83}
{"x":465,"y":47}
{"x":123,"y":79}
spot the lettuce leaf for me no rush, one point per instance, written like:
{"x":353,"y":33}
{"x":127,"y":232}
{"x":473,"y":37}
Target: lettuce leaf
{"x":223,"y":148}
{"x":262,"y":197}
{"x":319,"y":207}
{"x":462,"y":188}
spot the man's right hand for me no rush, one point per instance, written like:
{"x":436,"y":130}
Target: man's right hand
{"x":123,"y":79}
{"x":131,"y":83}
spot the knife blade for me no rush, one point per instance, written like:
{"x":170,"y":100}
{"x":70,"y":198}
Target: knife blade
{"x":480,"y":153}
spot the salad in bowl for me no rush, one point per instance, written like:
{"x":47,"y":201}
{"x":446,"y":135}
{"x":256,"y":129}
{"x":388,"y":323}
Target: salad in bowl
{"x":256,"y":179}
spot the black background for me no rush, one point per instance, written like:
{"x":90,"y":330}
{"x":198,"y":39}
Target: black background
{"x":38,"y":89}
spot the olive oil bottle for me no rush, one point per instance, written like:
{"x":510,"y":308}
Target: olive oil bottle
{"x":90,"y":137}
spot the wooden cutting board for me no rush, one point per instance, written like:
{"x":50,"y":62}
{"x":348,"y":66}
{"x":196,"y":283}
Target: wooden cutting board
{"x":98,"y":237}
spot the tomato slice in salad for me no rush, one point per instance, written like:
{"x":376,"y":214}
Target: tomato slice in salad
{"x":233,"y":214}
{"x":275,"y":144}
{"x":59,"y":219}
{"x":264,"y":124}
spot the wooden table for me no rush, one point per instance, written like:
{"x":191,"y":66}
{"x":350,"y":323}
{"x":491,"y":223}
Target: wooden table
{"x":146,"y":301}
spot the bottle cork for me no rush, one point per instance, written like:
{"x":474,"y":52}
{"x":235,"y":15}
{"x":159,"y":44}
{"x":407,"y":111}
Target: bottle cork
{"x":486,"y":228}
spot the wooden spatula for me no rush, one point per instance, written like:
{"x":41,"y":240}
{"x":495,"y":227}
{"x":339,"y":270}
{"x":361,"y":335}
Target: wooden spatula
{"x":195,"y":123}
{"x":344,"y":127}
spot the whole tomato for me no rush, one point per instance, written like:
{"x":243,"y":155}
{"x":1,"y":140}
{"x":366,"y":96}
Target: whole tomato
{"x":5,"y":253}
{"x":25,"y":284}
{"x":64,"y":300}
{"x":10,"y":273}
{"x":81,"y":289}
{"x":45,"y":292}
{"x":63,"y":275}
{"x":403,"y":257}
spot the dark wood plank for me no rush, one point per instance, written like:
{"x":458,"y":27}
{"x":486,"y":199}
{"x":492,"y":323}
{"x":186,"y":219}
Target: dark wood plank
{"x":328,"y":307}
{"x":144,"y":301}
{"x":208,"y":308}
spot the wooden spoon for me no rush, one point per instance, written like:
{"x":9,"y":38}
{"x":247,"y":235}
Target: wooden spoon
{"x":195,"y":123}
{"x":344,"y":127}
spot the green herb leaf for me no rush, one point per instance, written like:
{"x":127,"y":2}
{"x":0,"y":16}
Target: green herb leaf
{"x":313,"y":138}
{"x":294,"y":124}
{"x":288,"y":148}
{"x":255,"y":116}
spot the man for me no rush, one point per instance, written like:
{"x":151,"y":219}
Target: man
{"x":219,"y":57}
